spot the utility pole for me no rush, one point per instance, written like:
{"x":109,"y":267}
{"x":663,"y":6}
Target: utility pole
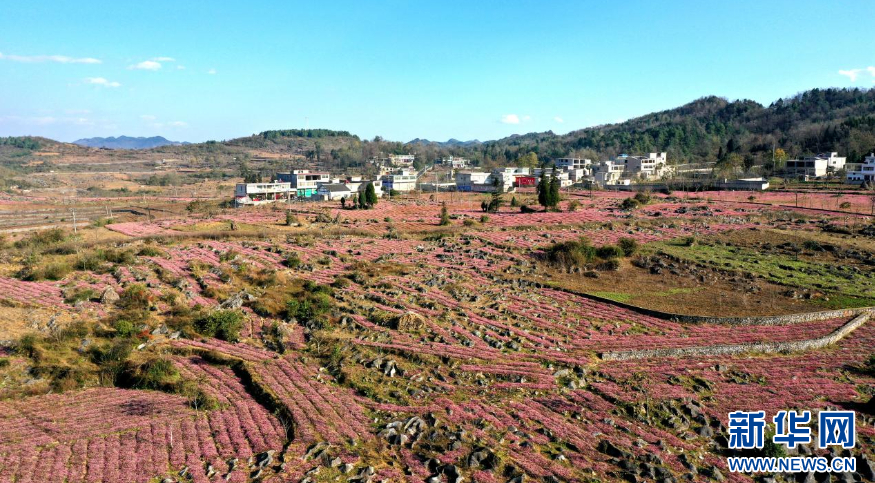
{"x":74,"y":220}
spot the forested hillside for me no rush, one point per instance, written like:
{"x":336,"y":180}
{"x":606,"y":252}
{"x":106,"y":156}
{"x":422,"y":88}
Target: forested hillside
{"x":712,"y":128}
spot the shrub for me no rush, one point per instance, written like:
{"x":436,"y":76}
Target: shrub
{"x":445,"y":215}
{"x":513,"y":202}
{"x":157,"y":374}
{"x":628,"y":245}
{"x":221,"y":324}
{"x":844,"y":205}
{"x":571,"y":253}
{"x":630,"y":204}
{"x":135,"y":297}
{"x":484,"y":219}
{"x":469,"y":222}
{"x":573,"y":205}
{"x":43,"y":238}
{"x":150,"y":251}
{"x":394,"y":192}
{"x":609,"y":252}
{"x":526,"y":209}
{"x":123,"y":328}
{"x":609,"y":265}
{"x":291,"y":218}
{"x":642,"y":197}
{"x":812,"y":245}
{"x":293,"y":260}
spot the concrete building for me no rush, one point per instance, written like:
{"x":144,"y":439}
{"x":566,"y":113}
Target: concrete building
{"x":333,"y":191}
{"x":563,"y":176}
{"x":401,"y":160}
{"x":501,"y":179}
{"x":403,"y":181}
{"x":455,"y":162}
{"x":866,"y":171}
{"x":608,"y":172}
{"x":654,"y":165}
{"x":808,"y":167}
{"x":305,"y":182}
{"x":744,"y":184}
{"x":465,"y":180}
{"x":572,"y":163}
{"x":260,"y":193}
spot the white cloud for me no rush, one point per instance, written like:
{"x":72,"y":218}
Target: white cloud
{"x":510,"y":119}
{"x":178,"y":124}
{"x":100,"y":81}
{"x":148,"y":117}
{"x":851,"y":73}
{"x":559,"y":119}
{"x":211,"y":72}
{"x":61,"y":59}
{"x":164,"y":59}
{"x":146,"y":65}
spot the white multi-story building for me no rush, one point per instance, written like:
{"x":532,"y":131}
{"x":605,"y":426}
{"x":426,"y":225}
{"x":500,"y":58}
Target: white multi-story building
{"x":403,"y":181}
{"x":305,"y":182}
{"x":608,"y":172}
{"x":654,"y":165}
{"x":401,"y":160}
{"x":501,"y":179}
{"x":572,"y":163}
{"x":455,"y":162}
{"x":866,"y":172}
{"x":260,"y":193}
{"x":562,"y":175}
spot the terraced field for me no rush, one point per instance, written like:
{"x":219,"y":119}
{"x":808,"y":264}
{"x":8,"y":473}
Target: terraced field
{"x":377,"y":345}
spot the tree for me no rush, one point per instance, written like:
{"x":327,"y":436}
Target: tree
{"x":371,"y":194}
{"x":343,"y":202}
{"x":445,"y":215}
{"x":528,"y":160}
{"x":354,"y":201}
{"x":543,"y":189}
{"x":553,"y":197}
{"x":363,"y":202}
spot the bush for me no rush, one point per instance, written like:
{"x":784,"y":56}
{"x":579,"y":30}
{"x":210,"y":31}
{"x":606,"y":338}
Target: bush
{"x":82,"y":295}
{"x":573,"y":205}
{"x":123,"y":328}
{"x":608,"y":265}
{"x":469,"y":222}
{"x":445,"y":215}
{"x":158,"y":374}
{"x":291,"y":218}
{"x":484,"y":219}
{"x":42,"y":238}
{"x":628,"y":245}
{"x":526,"y":209}
{"x":642,"y":197}
{"x":293,"y":260}
{"x":609,"y":252}
{"x":150,"y":251}
{"x":630,"y":204}
{"x":844,"y":205}
{"x":394,"y":193}
{"x":571,"y":253}
{"x":135,"y":297}
{"x":221,"y":324}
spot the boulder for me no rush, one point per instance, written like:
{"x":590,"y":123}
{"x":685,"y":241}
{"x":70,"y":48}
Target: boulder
{"x":109,"y":296}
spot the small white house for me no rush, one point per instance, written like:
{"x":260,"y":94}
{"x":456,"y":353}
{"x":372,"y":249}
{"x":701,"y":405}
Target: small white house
{"x":866,"y":172}
{"x":260,"y":193}
{"x":333,"y":191}
{"x":403,"y":181}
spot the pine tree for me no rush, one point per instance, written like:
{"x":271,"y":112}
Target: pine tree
{"x":554,"y":190}
{"x":543,"y":189}
{"x":371,"y":195}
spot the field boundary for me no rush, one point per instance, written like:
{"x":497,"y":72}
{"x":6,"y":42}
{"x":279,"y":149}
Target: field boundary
{"x":735,"y":349}
{"x":786,"y":319}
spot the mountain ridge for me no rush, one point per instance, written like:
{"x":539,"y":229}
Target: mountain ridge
{"x":127,"y":142}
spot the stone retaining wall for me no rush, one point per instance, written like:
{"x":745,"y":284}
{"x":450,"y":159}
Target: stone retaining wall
{"x":764,"y":347}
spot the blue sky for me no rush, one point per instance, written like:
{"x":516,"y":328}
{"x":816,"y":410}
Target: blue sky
{"x":198,"y":70}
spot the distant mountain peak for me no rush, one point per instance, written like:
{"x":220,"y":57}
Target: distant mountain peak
{"x":127,"y":142}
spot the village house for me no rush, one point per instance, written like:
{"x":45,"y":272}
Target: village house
{"x":866,"y":171}
{"x":333,"y":191}
{"x":817,"y":166}
{"x":403,"y":180}
{"x":305,"y":182}
{"x":260,"y":193}
{"x":454,"y":162}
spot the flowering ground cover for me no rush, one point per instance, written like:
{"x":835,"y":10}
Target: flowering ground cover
{"x":439,"y":353}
